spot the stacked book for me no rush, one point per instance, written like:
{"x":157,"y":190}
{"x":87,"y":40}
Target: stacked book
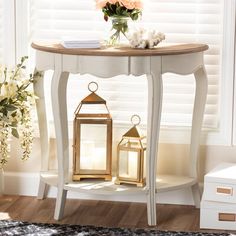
{"x":81,"y":43}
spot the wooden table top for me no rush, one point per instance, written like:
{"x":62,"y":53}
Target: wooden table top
{"x":121,"y":51}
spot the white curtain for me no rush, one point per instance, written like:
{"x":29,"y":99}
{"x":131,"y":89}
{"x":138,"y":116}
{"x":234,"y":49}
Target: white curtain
{"x":182,"y":21}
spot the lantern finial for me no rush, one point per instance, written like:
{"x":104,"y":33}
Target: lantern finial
{"x":93,"y":98}
{"x":133,"y":132}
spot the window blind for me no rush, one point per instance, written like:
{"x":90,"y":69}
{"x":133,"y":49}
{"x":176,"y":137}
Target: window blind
{"x":186,"y":21}
{"x":182,"y":21}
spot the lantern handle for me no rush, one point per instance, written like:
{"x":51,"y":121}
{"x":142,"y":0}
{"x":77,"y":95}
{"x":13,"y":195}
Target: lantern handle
{"x":137,"y":118}
{"x":92,"y":90}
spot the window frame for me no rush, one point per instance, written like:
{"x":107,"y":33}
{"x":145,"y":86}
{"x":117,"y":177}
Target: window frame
{"x":9,"y":37}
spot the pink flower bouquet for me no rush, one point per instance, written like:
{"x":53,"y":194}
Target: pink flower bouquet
{"x":120,"y":11}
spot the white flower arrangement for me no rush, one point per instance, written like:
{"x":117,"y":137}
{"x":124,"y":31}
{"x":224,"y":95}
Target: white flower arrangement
{"x":16,"y":100}
{"x":143,"y":38}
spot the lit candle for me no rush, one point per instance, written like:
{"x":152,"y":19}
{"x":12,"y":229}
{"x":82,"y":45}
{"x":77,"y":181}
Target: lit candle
{"x":132,"y":165}
{"x":86,"y":155}
{"x":99,"y":158}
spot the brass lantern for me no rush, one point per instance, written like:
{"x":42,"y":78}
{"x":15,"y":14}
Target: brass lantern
{"x":131,"y":155}
{"x":92,"y":144}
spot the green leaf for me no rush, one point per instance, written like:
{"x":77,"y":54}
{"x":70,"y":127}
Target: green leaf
{"x":118,"y":10}
{"x":13,"y":114}
{"x":3,"y":101}
{"x":14,"y":124}
{"x":11,"y":107}
{"x":15,"y":133}
{"x":125,"y":13}
{"x":4,"y":111}
{"x":113,"y":8}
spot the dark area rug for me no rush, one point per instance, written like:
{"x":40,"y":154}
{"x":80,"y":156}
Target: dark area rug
{"x":8,"y":227}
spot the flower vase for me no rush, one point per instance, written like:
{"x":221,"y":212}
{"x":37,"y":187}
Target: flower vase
{"x":119,"y":31}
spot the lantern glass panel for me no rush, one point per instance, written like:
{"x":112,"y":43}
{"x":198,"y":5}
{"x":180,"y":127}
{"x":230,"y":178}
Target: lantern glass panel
{"x":128,"y":164}
{"x":93,"y":146}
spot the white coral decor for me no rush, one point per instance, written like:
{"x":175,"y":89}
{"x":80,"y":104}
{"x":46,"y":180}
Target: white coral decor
{"x":143,"y":38}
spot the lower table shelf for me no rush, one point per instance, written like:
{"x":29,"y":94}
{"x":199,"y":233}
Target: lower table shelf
{"x":92,"y":186}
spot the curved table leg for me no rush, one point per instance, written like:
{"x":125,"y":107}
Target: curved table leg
{"x":59,"y":106}
{"x":43,"y":128}
{"x":198,"y":114}
{"x":155,"y":90}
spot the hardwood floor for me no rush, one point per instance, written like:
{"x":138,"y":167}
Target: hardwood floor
{"x":100,"y":213}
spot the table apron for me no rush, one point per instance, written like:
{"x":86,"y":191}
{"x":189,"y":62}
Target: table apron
{"x":109,"y":66}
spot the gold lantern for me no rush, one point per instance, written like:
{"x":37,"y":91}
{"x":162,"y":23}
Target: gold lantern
{"x":131,"y":155}
{"x":92,"y":146}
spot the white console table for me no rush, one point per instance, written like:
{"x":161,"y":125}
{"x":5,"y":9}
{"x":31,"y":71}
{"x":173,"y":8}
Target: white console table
{"x":109,"y":62}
